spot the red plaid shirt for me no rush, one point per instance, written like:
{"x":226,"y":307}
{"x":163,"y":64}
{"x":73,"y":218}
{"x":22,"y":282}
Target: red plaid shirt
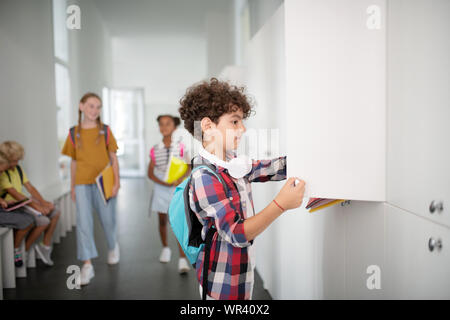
{"x":230,"y":274}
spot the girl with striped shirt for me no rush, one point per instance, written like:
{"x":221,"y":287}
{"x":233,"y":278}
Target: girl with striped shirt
{"x":162,"y":191}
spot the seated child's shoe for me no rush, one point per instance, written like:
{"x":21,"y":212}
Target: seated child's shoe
{"x":18,"y":261}
{"x":87,"y":273}
{"x":165,"y":255}
{"x":183,"y":266}
{"x":114,"y":255}
{"x":44,"y":252}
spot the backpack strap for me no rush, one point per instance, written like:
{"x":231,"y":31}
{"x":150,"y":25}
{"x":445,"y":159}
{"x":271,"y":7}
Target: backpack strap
{"x":72,"y":136}
{"x":211,"y":231}
{"x":9,"y":176}
{"x":106,"y":133}
{"x":5,"y":193}
{"x":152,"y":154}
{"x":19,"y":169}
{"x":208,"y":243}
{"x":211,"y":169}
{"x":181,"y":150}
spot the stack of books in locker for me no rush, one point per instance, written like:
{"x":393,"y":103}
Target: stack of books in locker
{"x":315,"y":204}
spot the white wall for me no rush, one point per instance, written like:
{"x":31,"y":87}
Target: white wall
{"x":158,"y":63}
{"x":27,"y":86}
{"x":90,"y":56}
{"x":28,"y":106}
{"x":261,"y":11}
{"x":165,"y":57}
{"x":219,"y":37}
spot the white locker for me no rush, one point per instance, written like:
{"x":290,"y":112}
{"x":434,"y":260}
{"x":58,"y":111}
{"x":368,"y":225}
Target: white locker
{"x":412,"y":270}
{"x":336,"y":108}
{"x":302,"y":255}
{"x":418,"y":167}
{"x":364,"y":250}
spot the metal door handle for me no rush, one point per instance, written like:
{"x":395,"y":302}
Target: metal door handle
{"x":436,"y":205}
{"x":434,"y":244}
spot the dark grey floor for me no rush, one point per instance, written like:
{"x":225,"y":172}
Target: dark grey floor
{"x":139,"y":275}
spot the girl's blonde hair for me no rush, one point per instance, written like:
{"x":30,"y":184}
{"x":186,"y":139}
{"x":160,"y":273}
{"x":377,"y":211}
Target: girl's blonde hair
{"x":80,"y":115}
{"x":12,"y":150}
{"x":3,"y":159}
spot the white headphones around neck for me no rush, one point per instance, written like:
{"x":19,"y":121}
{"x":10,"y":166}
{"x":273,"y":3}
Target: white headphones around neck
{"x":237,"y":167}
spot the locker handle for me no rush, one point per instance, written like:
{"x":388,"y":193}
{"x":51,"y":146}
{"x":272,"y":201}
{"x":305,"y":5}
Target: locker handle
{"x":433,"y":243}
{"x":435,"y":205}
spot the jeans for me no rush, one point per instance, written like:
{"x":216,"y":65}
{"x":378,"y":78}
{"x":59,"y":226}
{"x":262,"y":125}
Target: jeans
{"x":88,"y":198}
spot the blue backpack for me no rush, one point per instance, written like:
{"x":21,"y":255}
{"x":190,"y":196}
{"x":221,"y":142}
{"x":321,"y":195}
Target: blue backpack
{"x":187,"y":227}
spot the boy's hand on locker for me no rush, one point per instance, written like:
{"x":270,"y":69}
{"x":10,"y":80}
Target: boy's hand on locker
{"x":291,"y":194}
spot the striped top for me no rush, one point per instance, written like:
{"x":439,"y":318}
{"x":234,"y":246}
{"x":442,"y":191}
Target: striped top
{"x":160,"y":154}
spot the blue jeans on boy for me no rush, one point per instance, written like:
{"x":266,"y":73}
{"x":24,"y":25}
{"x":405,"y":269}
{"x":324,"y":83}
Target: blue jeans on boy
{"x":88,"y":199}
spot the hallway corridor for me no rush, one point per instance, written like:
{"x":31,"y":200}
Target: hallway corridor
{"x":139,"y":275}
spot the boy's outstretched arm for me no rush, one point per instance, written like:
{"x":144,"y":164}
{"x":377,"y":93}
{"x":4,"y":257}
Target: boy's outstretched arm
{"x":46,"y":206}
{"x":268,"y":170}
{"x":211,"y":201}
{"x":15,"y":194}
{"x":34,"y":193}
{"x":19,"y":196}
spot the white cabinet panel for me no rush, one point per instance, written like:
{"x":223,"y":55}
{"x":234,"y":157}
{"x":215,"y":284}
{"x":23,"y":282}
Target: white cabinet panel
{"x":412,"y":270}
{"x":418,"y":154}
{"x":335,"y":82}
{"x":309,"y":260}
{"x":328,"y":248}
{"x":364,"y":242}
{"x":302,"y":255}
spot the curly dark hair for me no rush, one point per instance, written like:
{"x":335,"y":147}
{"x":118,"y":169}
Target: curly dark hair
{"x":176,"y":120}
{"x":212,"y":99}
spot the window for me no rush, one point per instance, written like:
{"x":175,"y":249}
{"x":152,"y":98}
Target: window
{"x":60,"y":36}
{"x":62,"y":83}
{"x":62,"y":80}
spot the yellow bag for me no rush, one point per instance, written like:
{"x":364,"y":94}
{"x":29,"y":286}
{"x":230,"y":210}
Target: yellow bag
{"x":175,"y":169}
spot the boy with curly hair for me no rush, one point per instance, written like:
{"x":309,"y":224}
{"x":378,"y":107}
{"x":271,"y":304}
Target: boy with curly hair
{"x":213,"y":112}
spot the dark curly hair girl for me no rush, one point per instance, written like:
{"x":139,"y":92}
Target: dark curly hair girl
{"x":176,"y":120}
{"x":212,"y":99}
